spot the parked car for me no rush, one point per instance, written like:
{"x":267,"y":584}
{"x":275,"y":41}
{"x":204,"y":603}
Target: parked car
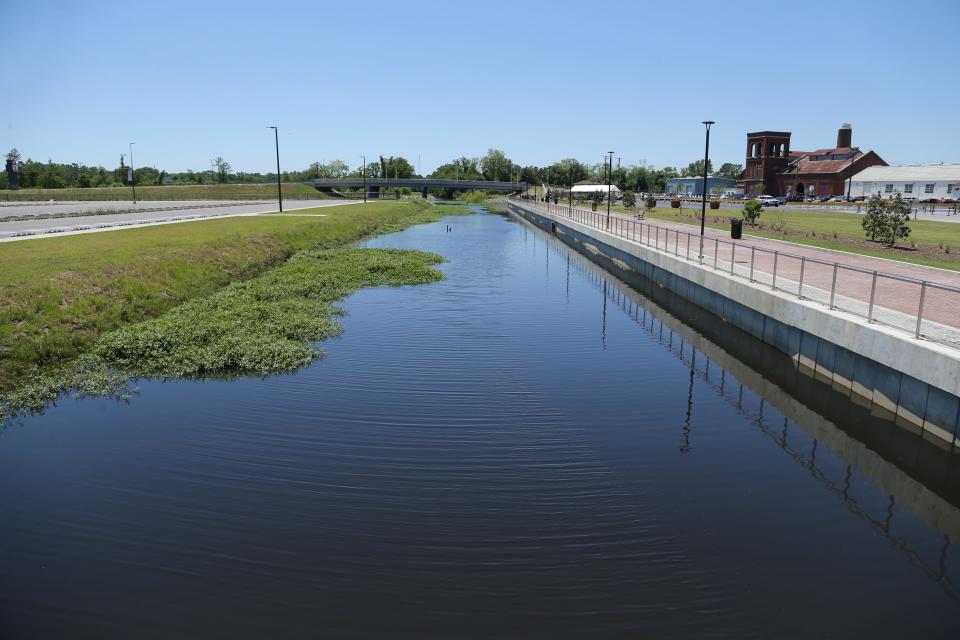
{"x":769,"y":201}
{"x":838,"y":199}
{"x":928,"y":200}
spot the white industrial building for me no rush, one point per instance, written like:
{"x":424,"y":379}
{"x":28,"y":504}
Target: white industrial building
{"x":918,"y":181}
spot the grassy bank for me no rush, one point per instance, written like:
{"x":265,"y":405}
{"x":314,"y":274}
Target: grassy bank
{"x":58,"y":296}
{"x":293,"y":191}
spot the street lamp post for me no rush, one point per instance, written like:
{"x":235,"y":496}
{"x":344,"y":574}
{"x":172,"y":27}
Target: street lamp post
{"x":609,"y":179}
{"x":276,"y":142}
{"x":364,"y":178}
{"x":133,"y":178}
{"x":703,"y":204}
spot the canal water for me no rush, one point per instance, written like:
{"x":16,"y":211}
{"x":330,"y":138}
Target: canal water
{"x":529,"y":448}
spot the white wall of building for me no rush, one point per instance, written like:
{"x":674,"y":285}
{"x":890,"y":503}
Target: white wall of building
{"x":920,"y":182}
{"x":921,"y":190}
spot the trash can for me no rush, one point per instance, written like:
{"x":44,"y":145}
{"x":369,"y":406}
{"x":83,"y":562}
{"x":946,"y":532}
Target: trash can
{"x":736,"y":228}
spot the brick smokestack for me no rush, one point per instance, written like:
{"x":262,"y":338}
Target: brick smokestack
{"x":845,"y":136}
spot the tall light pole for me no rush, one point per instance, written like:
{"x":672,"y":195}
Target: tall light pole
{"x":133,"y":180}
{"x":364,"y":178}
{"x":609,"y":179}
{"x":276,"y":142}
{"x":703,"y":204}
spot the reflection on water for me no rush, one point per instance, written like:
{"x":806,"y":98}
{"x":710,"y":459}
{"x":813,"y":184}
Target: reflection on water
{"x":732,"y":391}
{"x":530,"y":448}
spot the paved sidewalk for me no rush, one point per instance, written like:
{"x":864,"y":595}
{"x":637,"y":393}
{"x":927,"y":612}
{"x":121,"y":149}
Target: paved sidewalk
{"x":895,"y":291}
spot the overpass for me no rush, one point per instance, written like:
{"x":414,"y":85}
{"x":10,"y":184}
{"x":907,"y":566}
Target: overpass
{"x":415,"y":184}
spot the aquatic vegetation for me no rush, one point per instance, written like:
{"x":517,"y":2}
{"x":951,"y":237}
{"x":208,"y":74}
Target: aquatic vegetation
{"x":265,"y":325}
{"x":59,"y":295}
{"x":262,"y":326}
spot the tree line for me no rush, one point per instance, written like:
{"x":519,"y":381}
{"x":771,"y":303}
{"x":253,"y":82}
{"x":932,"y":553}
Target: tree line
{"x":494,"y":166}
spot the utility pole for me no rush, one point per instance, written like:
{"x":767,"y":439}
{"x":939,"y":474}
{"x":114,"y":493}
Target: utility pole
{"x":133,"y":181}
{"x":609,"y":179}
{"x":364,"y":178}
{"x":276,"y":142}
{"x":703,"y":204}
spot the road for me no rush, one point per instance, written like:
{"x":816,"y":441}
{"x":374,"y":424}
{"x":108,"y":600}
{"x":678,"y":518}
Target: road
{"x":35,"y":219}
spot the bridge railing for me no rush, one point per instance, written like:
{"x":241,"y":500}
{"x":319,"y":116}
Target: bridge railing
{"x":922,"y":308}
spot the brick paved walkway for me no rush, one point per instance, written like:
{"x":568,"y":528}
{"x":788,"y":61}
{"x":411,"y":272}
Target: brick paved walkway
{"x":896,"y":290}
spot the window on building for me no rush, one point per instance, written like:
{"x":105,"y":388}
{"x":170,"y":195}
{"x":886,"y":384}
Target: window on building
{"x":928,"y":188}
{"x":950,"y":188}
{"x":888,"y":188}
{"x":908,"y":188}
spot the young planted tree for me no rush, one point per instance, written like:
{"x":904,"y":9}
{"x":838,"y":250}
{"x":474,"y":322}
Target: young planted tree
{"x":875,"y":219}
{"x":898,"y":215}
{"x":751,"y":211}
{"x":629,"y":199}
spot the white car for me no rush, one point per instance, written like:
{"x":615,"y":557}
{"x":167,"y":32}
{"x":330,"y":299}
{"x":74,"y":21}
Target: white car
{"x":768,"y":201}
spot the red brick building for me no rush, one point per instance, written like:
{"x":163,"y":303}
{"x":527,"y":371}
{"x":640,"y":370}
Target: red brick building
{"x":783,"y":172}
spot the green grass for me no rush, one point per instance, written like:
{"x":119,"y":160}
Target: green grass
{"x":925,"y":233}
{"x":58,"y":296}
{"x":265,"y":325}
{"x":293,"y":191}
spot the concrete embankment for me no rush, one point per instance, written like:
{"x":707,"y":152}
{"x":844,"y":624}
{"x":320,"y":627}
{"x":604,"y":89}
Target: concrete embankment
{"x":915,"y":382}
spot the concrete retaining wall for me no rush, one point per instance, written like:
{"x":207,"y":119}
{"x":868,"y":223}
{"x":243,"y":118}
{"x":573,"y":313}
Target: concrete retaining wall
{"x":914,"y":382}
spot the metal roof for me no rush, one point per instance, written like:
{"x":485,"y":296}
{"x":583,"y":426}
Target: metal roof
{"x":911,"y":172}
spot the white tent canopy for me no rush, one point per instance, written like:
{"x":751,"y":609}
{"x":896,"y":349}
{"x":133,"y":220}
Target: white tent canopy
{"x":592,"y":188}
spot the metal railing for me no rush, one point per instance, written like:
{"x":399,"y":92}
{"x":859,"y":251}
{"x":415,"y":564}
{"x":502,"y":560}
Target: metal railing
{"x":922,"y":308}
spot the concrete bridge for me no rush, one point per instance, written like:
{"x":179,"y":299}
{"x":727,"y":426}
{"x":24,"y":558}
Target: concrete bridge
{"x":415,"y":184}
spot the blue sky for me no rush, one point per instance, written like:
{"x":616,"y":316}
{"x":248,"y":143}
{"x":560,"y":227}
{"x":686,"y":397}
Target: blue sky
{"x":541,"y":80}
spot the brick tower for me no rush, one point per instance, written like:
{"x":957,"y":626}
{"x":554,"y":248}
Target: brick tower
{"x":768,"y":153}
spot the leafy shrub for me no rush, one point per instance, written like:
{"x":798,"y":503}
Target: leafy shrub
{"x":874,"y":219}
{"x":751,"y":211}
{"x":886,"y":220}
